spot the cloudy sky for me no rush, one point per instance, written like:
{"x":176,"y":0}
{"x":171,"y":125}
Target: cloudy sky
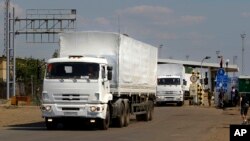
{"x":187,"y":29}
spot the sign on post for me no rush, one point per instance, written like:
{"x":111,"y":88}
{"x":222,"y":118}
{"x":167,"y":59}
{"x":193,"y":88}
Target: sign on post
{"x":221,"y":80}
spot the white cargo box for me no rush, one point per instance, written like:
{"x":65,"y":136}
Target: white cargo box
{"x":134,"y":63}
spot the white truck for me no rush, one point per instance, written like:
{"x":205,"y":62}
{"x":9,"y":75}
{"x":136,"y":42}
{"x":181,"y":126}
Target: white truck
{"x":101,"y":78}
{"x":170,"y":87}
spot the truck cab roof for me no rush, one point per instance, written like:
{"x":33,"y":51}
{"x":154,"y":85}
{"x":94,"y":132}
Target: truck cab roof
{"x":99,"y":60}
{"x":169,"y":76}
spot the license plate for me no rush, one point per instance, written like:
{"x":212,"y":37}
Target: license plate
{"x":70,"y":113}
{"x":168,"y":98}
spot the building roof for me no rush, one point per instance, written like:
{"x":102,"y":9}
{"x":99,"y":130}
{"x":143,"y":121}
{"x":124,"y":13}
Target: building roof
{"x":195,"y":64}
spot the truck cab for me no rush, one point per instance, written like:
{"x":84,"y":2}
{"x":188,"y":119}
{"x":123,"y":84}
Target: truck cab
{"x":170,"y":89}
{"x":76,"y":86}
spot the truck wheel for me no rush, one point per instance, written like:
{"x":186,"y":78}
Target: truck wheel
{"x":127,"y":115}
{"x":104,"y":123}
{"x":151,"y":109}
{"x":147,"y":115}
{"x":139,"y":117}
{"x":120,"y":120}
{"x":180,"y":103}
{"x":149,"y":112}
{"x":143,"y":117}
{"x":50,"y":125}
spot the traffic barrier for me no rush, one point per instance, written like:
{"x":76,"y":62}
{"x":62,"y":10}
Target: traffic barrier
{"x":15,"y":99}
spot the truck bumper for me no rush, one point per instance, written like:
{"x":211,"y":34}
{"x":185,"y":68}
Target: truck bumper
{"x":81,"y":111}
{"x":169,"y":99}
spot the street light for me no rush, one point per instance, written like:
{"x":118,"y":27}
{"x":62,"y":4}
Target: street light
{"x":243,"y":36}
{"x":207,"y":57}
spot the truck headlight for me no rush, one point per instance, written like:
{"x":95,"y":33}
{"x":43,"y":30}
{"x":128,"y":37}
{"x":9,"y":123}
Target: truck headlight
{"x":96,"y":108}
{"x":92,"y":108}
{"x":46,"y":108}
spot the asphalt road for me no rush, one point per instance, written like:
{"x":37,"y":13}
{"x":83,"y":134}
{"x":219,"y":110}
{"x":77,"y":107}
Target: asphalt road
{"x":170,"y":123}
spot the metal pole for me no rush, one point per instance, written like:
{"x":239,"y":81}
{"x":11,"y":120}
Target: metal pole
{"x":8,"y":62}
{"x":14,"y":54}
{"x":201,"y":73}
{"x":7,"y":3}
{"x":207,"y":57}
{"x":242,"y":37}
{"x":201,"y":78}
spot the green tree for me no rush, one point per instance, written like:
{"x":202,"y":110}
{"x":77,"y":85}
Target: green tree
{"x":27,"y":70}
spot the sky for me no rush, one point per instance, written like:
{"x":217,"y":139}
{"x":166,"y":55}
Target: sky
{"x":186,"y":29}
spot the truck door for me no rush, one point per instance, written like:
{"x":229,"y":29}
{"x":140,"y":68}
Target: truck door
{"x":104,"y":80}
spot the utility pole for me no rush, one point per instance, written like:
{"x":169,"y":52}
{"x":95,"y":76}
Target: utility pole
{"x":6,"y":25}
{"x":243,"y":39}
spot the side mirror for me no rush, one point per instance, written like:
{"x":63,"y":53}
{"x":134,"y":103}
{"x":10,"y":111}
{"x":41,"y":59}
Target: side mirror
{"x":184,"y":82}
{"x":110,"y":68}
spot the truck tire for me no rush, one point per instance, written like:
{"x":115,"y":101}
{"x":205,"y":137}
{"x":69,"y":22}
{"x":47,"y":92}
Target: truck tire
{"x":50,"y":125}
{"x":127,"y":115}
{"x":149,"y":112}
{"x":151,"y":106}
{"x":144,"y":117}
{"x":180,"y":103}
{"x":139,"y":117}
{"x":104,"y":123}
{"x":120,"y":120}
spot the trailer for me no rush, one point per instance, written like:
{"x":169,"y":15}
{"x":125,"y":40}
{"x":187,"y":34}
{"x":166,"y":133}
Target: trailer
{"x":100,"y":77}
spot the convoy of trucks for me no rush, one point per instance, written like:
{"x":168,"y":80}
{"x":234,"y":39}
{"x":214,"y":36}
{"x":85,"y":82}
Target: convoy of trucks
{"x":171,"y":82}
{"x":103,"y":78}
{"x":98,"y":78}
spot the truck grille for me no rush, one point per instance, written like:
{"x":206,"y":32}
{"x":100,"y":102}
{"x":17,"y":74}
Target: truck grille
{"x":70,"y":109}
{"x":71,"y":97}
{"x":168,"y":92}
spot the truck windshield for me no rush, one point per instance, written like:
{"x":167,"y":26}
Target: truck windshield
{"x":168,"y":81}
{"x":76,"y":70}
